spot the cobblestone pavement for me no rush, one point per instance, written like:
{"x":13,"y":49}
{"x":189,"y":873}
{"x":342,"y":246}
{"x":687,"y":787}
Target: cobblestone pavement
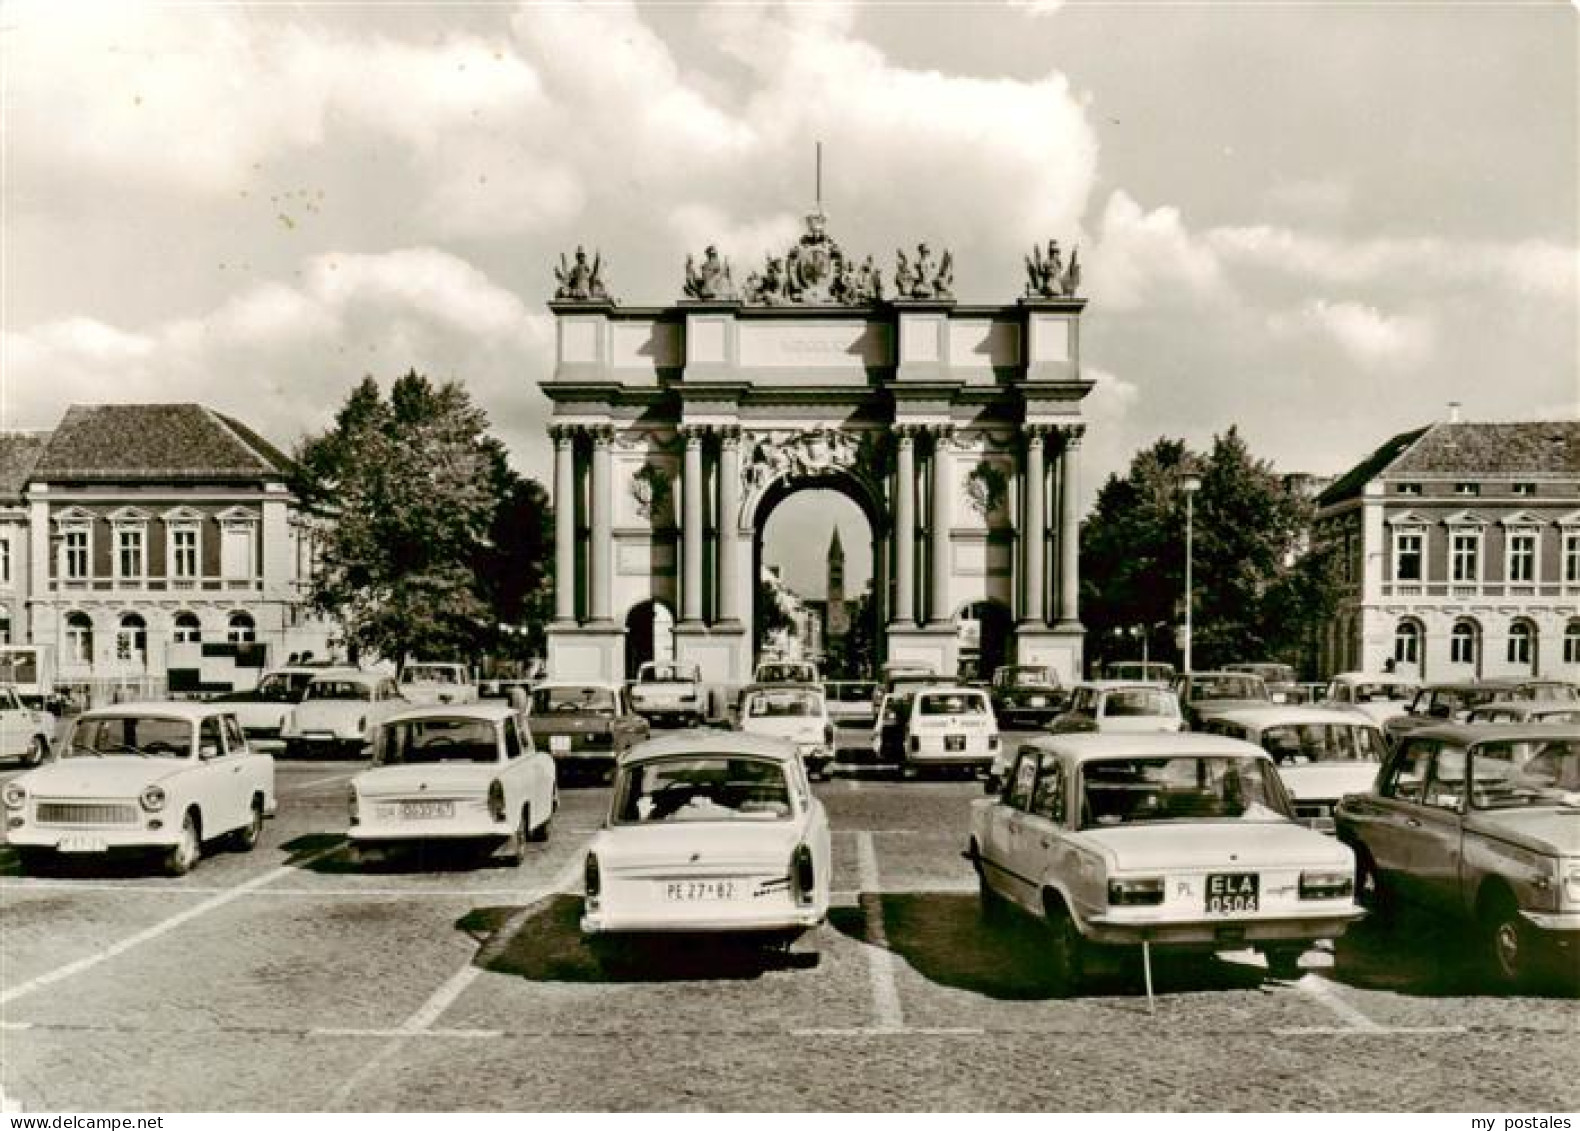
{"x":287,"y":979}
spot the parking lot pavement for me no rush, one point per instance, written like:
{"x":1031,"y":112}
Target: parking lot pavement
{"x":287,"y":978}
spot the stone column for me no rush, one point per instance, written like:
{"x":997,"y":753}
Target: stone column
{"x":1070,"y":528}
{"x":729,"y":571}
{"x":1033,"y":528}
{"x":600,"y":550}
{"x":692,"y":528}
{"x":938,"y":611}
{"x":564,"y":524}
{"x":905,"y":527}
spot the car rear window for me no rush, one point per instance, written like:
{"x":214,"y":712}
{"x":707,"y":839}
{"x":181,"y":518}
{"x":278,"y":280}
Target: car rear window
{"x":431,"y":740}
{"x":665,"y":673}
{"x":342,"y":689}
{"x":781,"y":705}
{"x":572,"y":700}
{"x":945,"y":703}
{"x":1295,"y":743}
{"x":1185,"y":788}
{"x":722,"y":787}
{"x":1139,"y":702}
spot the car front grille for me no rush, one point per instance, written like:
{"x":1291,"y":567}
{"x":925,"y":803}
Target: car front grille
{"x":86,"y":813}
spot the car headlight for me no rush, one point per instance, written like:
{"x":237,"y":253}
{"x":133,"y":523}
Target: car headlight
{"x":1327,"y":885}
{"x":15,"y":795}
{"x":1572,"y":881}
{"x":1143,"y":892}
{"x":152,"y":799}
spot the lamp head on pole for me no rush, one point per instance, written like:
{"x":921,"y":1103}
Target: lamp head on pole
{"x":1190,"y":484}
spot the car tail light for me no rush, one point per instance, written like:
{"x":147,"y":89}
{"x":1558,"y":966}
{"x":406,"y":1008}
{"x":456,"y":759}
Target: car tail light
{"x":362,"y":725}
{"x":15,"y":795}
{"x":1326,"y":885}
{"x":992,"y":742}
{"x":828,"y":735}
{"x":916,"y":743}
{"x":152,"y":799}
{"x":496,"y":800}
{"x":351,"y":805}
{"x":803,"y":877}
{"x":1146,"y":892}
{"x":592,"y":880}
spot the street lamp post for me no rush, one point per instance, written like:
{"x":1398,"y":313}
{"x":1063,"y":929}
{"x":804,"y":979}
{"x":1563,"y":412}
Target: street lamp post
{"x":1190,"y":485}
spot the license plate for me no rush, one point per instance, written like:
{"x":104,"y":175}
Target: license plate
{"x":426,"y":810}
{"x":1230,"y":893}
{"x":80,"y":842}
{"x":560,"y":743}
{"x":1039,"y":701}
{"x":319,"y":736}
{"x":954,"y":742}
{"x":699,"y":891}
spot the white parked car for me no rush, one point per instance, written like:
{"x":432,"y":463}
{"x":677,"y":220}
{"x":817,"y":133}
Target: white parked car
{"x":425,"y":684}
{"x":262,"y":710}
{"x":1186,"y":841}
{"x":338,"y":713}
{"x":1379,"y":697}
{"x":710,"y":832}
{"x":1120,"y":707}
{"x":796,"y":713}
{"x":949,"y":728}
{"x":160,"y":777}
{"x":786,"y":671}
{"x":24,"y":732}
{"x":669,"y":693}
{"x":466,"y":772}
{"x":1322,"y":753}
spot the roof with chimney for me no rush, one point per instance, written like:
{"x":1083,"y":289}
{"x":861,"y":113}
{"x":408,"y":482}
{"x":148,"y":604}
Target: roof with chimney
{"x":1544,"y":449}
{"x":155,"y":441}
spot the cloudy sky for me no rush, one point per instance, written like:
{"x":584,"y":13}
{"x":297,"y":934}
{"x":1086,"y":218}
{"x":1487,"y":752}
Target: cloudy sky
{"x":1319,"y":222}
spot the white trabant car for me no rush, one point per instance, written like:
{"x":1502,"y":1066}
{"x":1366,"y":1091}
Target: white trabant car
{"x":464,"y":772}
{"x":1184,"y":841}
{"x":1109,"y":706}
{"x":949,"y":728}
{"x":710,"y":832}
{"x":147,"y":777}
{"x":24,"y":732}
{"x":426,"y":684}
{"x":1379,"y":697}
{"x":795,"y":712}
{"x":1322,"y":753}
{"x":338,"y":713}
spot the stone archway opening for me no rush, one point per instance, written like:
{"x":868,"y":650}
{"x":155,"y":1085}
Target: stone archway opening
{"x":649,"y":635}
{"x":816,"y":550}
{"x":986,"y":638}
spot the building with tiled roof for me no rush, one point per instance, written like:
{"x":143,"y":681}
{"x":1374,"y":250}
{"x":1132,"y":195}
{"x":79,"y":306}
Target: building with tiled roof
{"x":1460,"y":550}
{"x":156,"y":549}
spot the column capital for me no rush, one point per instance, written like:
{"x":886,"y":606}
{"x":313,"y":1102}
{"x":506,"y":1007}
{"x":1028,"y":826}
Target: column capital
{"x":939,"y":432}
{"x":564,"y":434}
{"x":602,"y":435}
{"x":693,"y":434}
{"x":1071,"y":434}
{"x":906,"y":434}
{"x":729,"y":436}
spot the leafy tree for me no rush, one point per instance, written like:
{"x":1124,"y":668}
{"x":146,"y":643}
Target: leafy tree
{"x":1256,"y":595}
{"x":425,"y":530}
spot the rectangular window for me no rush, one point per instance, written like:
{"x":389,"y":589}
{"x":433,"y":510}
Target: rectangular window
{"x":1407,"y":556}
{"x":184,"y":552}
{"x":1467,"y":488}
{"x":1464,"y":550}
{"x":1572,"y":646}
{"x":1525,"y":488}
{"x":5,"y":561}
{"x":74,"y":554}
{"x":1522,"y":556}
{"x":1462,"y":646}
{"x":1407,"y":488}
{"x":235,"y":551}
{"x":1572,"y":556}
{"x":129,"y":553}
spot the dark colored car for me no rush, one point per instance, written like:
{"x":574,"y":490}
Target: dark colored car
{"x":584,"y":726}
{"x":1449,"y":702}
{"x":1026,"y":695}
{"x":1203,"y":693}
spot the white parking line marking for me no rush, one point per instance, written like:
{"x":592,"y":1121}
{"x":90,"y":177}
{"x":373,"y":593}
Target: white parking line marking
{"x":318,"y":783}
{"x":161,"y":928}
{"x":964,"y":1031}
{"x":1379,"y":1031}
{"x":456,"y":1034}
{"x":880,"y":961}
{"x":110,"y":887}
{"x":418,"y":1024}
{"x":1320,"y":989}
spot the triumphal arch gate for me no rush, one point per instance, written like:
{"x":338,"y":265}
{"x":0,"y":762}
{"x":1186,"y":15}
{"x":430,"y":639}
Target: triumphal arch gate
{"x":955,"y":427}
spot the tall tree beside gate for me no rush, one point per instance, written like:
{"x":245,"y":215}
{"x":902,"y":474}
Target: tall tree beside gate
{"x":1258,"y":592}
{"x":425,"y":531}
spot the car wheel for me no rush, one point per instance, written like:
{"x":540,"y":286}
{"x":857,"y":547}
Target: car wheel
{"x":182,"y":857}
{"x":1069,"y":947}
{"x":1507,"y":942}
{"x":37,"y":751}
{"x":541,"y":833}
{"x":516,"y":846}
{"x":246,"y":838}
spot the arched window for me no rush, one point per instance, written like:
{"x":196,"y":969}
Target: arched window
{"x":1462,"y":642}
{"x":1522,"y":642}
{"x":1572,"y":643}
{"x":242,"y":629}
{"x":188,"y":629}
{"x":1407,"y":643}
{"x":79,"y":637}
{"x":131,"y":639}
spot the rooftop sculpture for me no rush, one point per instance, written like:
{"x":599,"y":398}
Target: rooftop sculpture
{"x":1047,"y":275}
{"x":581,"y":281}
{"x":922,"y":279}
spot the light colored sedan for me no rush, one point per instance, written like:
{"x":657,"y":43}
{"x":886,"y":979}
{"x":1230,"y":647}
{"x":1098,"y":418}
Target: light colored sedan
{"x":146,"y":777}
{"x":1120,"y":707}
{"x":338,"y":713}
{"x":1185,"y":841}
{"x":796,"y":713}
{"x":466,"y":772}
{"x":949,"y":728}
{"x":710,"y":832}
{"x":1322,"y":753}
